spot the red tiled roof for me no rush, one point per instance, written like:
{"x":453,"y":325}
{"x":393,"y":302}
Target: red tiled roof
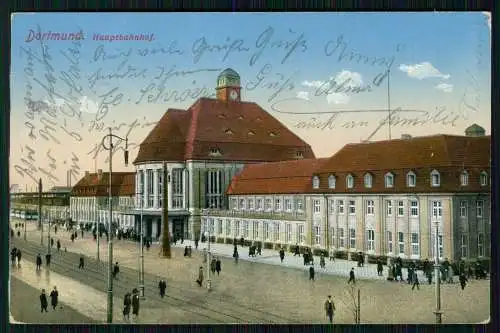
{"x":241,"y":131}
{"x":123,"y":184}
{"x":275,"y":178}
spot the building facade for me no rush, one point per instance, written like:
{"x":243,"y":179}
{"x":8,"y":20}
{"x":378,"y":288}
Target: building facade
{"x":204,"y":147}
{"x":375,"y":198}
{"x":89,"y":199}
{"x":55,"y":204}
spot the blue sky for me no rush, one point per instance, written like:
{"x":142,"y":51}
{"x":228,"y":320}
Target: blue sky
{"x":440,"y":60}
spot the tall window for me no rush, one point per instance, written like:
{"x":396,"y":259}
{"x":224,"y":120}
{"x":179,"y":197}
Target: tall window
{"x":276,"y":230}
{"x":255,"y":230}
{"x":160,"y":188}
{"x":300,"y":234}
{"x":464,"y":178}
{"x":177,"y":188}
{"x":415,"y":244}
{"x":388,"y":207}
{"x":228,"y":227}
{"x":250,"y":204}
{"x":150,"y":187}
{"x":288,"y":232}
{"x":370,"y":207}
{"x":266,"y":230}
{"x":350,"y":181}
{"x":401,"y":242}
{"x":317,"y":235}
{"x":414,"y":208}
{"x":234,"y":204}
{"x":389,"y":180}
{"x":352,"y":238}
{"x":463,"y":208}
{"x":299,"y":205}
{"x":141,"y":191}
{"x":315,"y":182}
{"x":236,"y":228}
{"x":277,"y":205}
{"x":411,"y":179}
{"x":341,"y":238}
{"x":317,"y":206}
{"x":352,"y":207}
{"x":244,"y":232}
{"x":219,"y":227}
{"x":259,"y":204}
{"x":464,"y":246}
{"x":440,"y":237}
{"x":479,"y":208}
{"x":331,"y":202}
{"x":480,"y":245}
{"x":340,"y":207}
{"x":484,"y":178}
{"x":288,"y":205}
{"x":437,"y":209}
{"x":371,"y":240}
{"x":389,"y":241}
{"x":331,"y":181}
{"x":213,"y":189}
{"x":435,"y":178}
{"x":368,"y":180}
{"x":332,"y":237}
{"x":401,"y":208}
{"x":242,"y":204}
{"x":269,"y":204}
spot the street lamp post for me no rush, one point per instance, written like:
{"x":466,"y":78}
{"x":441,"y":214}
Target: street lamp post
{"x":40,"y":221}
{"x":141,"y":263}
{"x":97,"y":227}
{"x":110,"y":136}
{"x":209,"y":281}
{"x":437,"y":274}
{"x":48,"y":232}
{"x":25,"y":220}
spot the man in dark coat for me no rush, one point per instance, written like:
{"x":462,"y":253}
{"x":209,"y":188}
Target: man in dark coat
{"x":38,"y":262}
{"x":380,"y":267}
{"x":218,"y":266}
{"x":329,"y":308}
{"x":415,"y":281}
{"x":213,"y":265}
{"x":162,"y":286}
{"x":116,"y":270}
{"x":463,"y":280}
{"x":196,"y":243}
{"x":58,"y":245}
{"x":80,"y":266}
{"x":297,"y":250}
{"x":13,"y":254}
{"x":43,"y":301}
{"x":135,"y":305}
{"x":127,"y":302}
{"x":72,"y":237}
{"x":55,"y":229}
{"x":352,"y":278}
{"x":18,"y":255}
{"x":200,"y":276}
{"x":47,"y":259}
{"x":54,"y":297}
{"x":51,"y":242}
{"x":282,"y":254}
{"x":311,"y":273}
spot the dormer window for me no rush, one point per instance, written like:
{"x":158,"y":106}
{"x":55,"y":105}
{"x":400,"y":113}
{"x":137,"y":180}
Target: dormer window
{"x":484,"y":178}
{"x":464,"y":178}
{"x":251,"y":133}
{"x":229,"y":131}
{"x":368,"y":180}
{"x":299,"y":154}
{"x":315,"y":182}
{"x":272,"y":134}
{"x":389,"y":180}
{"x":435,"y":178}
{"x":411,"y":179}
{"x":331,"y":181}
{"x":350,"y":181}
{"x":214,"y":151}
{"x":222,"y":116}
{"x":240,"y":117}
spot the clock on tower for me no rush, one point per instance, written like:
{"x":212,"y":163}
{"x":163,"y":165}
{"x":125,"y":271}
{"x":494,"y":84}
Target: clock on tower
{"x":228,"y":86}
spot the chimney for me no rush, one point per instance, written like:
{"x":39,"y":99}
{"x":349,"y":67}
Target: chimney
{"x":99,"y":174}
{"x":405,"y":136}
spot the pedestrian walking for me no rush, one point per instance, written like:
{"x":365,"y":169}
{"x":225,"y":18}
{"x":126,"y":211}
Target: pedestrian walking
{"x":186,"y":250}
{"x":415,"y":281}
{"x":43,"y":301}
{"x":332,"y":254}
{"x":450,"y":274}
{"x":311,"y":273}
{"x":38,"y":262}
{"x":135,"y":304}
{"x":282,"y":254}
{"x":218,"y":266}
{"x":72,"y":237}
{"x":51,"y":242}
{"x":47,"y":259}
{"x":196,"y":243}
{"x":352,"y":278}
{"x":213,"y":265}
{"x":80,"y":266}
{"x":127,"y":302}
{"x":55,"y":229}
{"x":463,"y":280}
{"x":380,"y":267}
{"x":297,"y":250}
{"x":116,"y":270}
{"x":18,"y":233}
{"x":235,"y":254}
{"x":162,"y":286}
{"x":200,"y":276}
{"x":329,"y":308}
{"x":54,"y":298}
{"x":82,"y":232}
{"x":58,"y":245}
{"x":322,"y":263}
{"x":18,"y":255}
{"x":13,"y":254}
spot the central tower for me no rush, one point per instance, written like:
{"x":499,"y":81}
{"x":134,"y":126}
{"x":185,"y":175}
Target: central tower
{"x":228,"y":86}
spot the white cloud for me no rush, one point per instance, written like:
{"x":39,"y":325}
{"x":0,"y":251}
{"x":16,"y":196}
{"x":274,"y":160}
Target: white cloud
{"x":338,"y":98}
{"x":423,"y":70}
{"x":445,"y":87}
{"x":488,"y":17}
{"x":87,"y":105}
{"x":303,"y":95}
{"x":315,"y":84}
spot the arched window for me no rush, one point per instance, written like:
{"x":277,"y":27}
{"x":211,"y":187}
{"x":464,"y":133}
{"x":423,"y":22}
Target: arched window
{"x":349,"y":181}
{"x":315,"y":182}
{"x":331,"y":181}
{"x":435,"y":178}
{"x":368,"y":180}
{"x":389,"y":180}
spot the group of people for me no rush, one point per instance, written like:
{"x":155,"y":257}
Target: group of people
{"x":54,"y":299}
{"x":15,"y":254}
{"x":131,"y":300}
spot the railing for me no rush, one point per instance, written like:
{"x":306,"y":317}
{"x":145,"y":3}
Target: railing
{"x":294,"y":216}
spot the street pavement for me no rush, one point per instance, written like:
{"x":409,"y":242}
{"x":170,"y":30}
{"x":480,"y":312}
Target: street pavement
{"x":253,"y":292}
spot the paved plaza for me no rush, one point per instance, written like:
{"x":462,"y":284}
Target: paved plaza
{"x":260,"y":290}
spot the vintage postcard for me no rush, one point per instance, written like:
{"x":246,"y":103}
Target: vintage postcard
{"x":218,"y":168}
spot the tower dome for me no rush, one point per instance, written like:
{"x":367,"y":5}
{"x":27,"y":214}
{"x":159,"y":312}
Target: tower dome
{"x":228,"y":85}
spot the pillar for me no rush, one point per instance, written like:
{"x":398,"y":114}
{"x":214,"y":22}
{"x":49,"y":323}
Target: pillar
{"x":185,"y":188}
{"x":156,"y":193}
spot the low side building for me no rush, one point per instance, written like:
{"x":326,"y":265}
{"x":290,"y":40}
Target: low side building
{"x":382,"y":198}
